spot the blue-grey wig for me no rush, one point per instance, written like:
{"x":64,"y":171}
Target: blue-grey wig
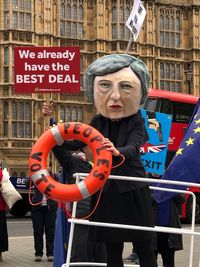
{"x":113,"y":63}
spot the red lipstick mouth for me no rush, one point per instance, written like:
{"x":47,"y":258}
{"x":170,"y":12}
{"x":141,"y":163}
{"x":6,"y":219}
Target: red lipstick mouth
{"x":115,"y":106}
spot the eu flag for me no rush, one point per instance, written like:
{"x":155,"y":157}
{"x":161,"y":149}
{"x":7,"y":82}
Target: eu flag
{"x":61,"y":233}
{"x":61,"y":238}
{"x":62,"y":227}
{"x":185,"y":165}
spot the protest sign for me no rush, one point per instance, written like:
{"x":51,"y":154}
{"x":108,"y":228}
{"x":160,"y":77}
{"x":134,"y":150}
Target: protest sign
{"x":154,"y":151}
{"x":136,"y":18}
{"x":47,"y":69}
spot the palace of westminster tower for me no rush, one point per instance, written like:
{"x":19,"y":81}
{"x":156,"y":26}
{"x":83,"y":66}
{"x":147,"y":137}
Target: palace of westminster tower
{"x":169,"y":43}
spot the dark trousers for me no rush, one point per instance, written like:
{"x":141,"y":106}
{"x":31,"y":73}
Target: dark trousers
{"x":144,"y":251}
{"x":167,"y":257}
{"x":84,"y":250}
{"x":3,"y":232}
{"x":43,"y":219}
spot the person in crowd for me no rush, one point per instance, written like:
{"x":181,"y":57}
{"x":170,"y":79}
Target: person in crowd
{"x":118,"y":85}
{"x":167,"y":215}
{"x":82,"y":249}
{"x":43,"y":216}
{"x":3,"y":223}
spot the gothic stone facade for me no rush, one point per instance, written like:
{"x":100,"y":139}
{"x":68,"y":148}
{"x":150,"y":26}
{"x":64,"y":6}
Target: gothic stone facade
{"x":168,"y":43}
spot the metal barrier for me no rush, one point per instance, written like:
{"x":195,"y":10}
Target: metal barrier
{"x":190,"y":231}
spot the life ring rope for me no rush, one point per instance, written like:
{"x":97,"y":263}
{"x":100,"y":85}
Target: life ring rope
{"x":70,"y":192}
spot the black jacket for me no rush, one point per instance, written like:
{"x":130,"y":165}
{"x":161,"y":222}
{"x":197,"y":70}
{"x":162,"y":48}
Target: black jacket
{"x":174,"y":241}
{"x":130,"y":137}
{"x":37,"y":196}
{"x":73,"y":164}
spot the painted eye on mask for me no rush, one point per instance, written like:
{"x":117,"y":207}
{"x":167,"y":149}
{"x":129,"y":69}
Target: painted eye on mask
{"x":126,"y":88}
{"x":104,"y":86}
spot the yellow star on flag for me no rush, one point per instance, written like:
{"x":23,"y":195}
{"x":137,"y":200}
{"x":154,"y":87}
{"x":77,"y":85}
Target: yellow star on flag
{"x":197,"y":121}
{"x":190,"y":141}
{"x":197,"y":130}
{"x":179,"y":151}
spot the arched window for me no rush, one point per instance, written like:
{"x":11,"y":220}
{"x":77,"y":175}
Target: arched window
{"x":127,"y":13}
{"x":167,"y":71}
{"x":161,"y":38}
{"x":177,"y":40}
{"x":121,"y":31}
{"x":5,"y":110}
{"x":177,"y":75}
{"x":171,"y":39}
{"x":167,"y":39}
{"x":80,"y":13}
{"x":6,"y":5}
{"x":171,"y":23}
{"x":161,"y":23}
{"x":166,"y":23}
{"x":68,"y":114}
{"x":172,"y":71}
{"x":14,"y":111}
{"x":177,"y":24}
{"x":169,"y":29}
{"x":170,"y":77}
{"x":21,"y":4}
{"x":81,"y":63}
{"x":5,"y":119}
{"x":74,"y":114}
{"x":62,"y":113}
{"x":74,"y":12}
{"x":121,"y":14}
{"x":162,"y":71}
{"x":68,"y":12}
{"x":20,"y":111}
{"x":74,"y":29}
{"x":71,"y":22}
{"x":21,"y":120}
{"x":6,"y":56}
{"x":80,"y":114}
{"x":114,"y":14}
{"x":62,"y":11}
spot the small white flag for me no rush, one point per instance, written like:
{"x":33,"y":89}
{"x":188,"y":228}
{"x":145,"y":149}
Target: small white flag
{"x":136,"y":18}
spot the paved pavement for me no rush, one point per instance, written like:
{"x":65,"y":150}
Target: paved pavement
{"x":21,"y":253}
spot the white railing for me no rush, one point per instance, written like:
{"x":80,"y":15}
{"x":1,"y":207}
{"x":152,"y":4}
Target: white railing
{"x":190,"y":231}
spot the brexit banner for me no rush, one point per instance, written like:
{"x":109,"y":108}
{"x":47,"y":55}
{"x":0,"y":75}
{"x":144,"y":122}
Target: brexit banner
{"x":154,"y":151}
{"x":46,"y":69}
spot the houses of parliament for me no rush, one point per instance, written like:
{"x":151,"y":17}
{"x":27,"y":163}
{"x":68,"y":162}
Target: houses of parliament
{"x":169,"y":43}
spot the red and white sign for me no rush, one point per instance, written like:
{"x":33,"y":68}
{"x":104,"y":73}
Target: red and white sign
{"x":47,"y":69}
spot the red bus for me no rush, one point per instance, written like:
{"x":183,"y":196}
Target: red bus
{"x":181,"y":107}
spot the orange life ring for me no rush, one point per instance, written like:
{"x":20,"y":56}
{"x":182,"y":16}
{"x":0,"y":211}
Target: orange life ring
{"x":69,"y":192}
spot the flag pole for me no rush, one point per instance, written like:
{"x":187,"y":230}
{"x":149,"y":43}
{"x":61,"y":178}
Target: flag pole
{"x":129,"y":44}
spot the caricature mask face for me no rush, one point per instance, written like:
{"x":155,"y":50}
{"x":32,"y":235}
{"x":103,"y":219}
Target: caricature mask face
{"x":117,"y":95}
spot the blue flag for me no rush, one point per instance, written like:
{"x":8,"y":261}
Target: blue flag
{"x":61,"y":234}
{"x":185,"y":165}
{"x":61,"y":239}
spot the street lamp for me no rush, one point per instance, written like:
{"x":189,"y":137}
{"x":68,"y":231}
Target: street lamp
{"x":189,"y":79}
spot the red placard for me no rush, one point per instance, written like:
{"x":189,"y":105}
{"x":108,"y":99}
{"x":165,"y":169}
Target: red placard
{"x":47,"y":69}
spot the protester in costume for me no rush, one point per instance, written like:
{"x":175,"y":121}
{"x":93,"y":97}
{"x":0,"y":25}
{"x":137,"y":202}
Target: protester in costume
{"x":118,"y":85}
